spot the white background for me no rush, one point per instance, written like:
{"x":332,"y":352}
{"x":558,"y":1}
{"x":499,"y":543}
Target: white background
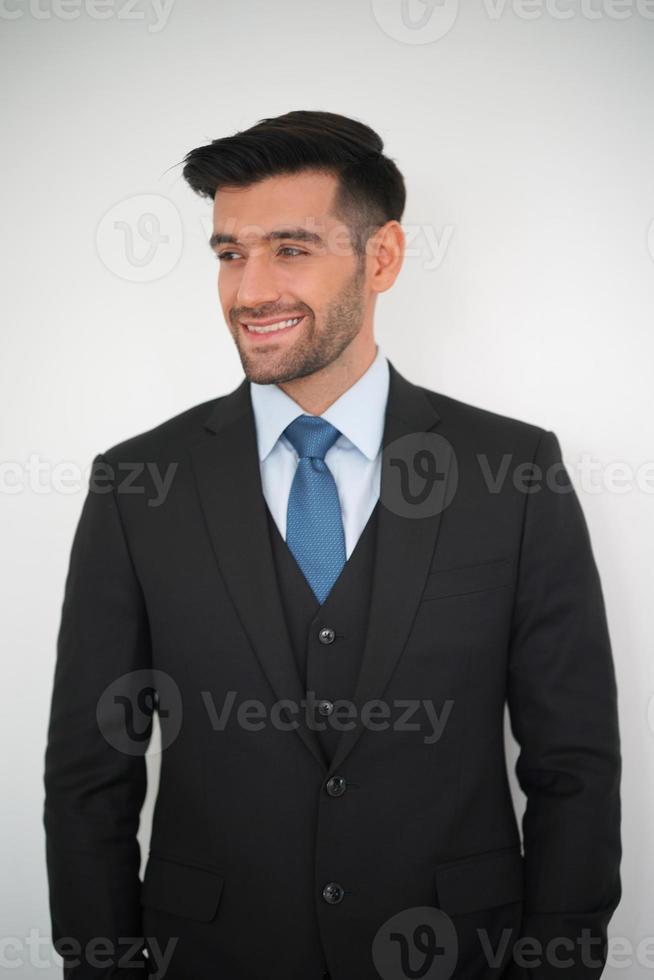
{"x":526,"y":137}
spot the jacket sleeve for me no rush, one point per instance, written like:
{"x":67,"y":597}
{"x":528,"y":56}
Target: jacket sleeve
{"x":95,"y":775}
{"x":563,"y":709}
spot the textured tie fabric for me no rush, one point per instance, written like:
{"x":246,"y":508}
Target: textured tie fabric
{"x":314,"y":525}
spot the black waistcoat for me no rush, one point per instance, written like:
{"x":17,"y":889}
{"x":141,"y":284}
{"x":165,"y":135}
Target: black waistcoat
{"x":327,"y":639}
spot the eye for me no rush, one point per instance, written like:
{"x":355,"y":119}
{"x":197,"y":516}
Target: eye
{"x":224,"y":256}
{"x":291,"y":248}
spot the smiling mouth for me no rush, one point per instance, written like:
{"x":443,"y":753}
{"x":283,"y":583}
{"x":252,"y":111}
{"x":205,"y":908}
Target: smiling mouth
{"x":267,"y":327}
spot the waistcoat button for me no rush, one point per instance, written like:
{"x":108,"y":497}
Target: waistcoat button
{"x":333,"y":893}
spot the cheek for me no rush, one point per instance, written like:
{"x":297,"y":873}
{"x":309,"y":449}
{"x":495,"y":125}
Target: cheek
{"x":226,"y":295}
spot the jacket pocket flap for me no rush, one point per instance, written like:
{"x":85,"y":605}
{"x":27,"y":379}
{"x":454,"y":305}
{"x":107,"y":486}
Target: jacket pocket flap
{"x":468,"y":578}
{"x":480,"y":882}
{"x":182,"y":889}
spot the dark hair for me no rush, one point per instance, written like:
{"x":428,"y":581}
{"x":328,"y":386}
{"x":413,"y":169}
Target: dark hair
{"x":370,"y":189}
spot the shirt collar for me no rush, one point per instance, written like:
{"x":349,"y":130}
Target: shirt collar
{"x":358,"y":413}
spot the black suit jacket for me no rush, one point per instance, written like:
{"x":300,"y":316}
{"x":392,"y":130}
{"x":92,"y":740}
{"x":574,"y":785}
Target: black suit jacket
{"x":488,"y":597}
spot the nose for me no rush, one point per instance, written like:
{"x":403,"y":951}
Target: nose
{"x":257,"y":284}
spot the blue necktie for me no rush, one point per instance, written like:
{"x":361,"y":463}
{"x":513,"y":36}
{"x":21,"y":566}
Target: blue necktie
{"x":314,"y":526}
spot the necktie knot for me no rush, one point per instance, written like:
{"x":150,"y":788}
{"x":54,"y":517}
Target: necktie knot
{"x":311,"y":436}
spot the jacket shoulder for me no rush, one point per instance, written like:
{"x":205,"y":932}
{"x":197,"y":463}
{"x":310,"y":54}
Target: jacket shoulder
{"x":166,"y":438}
{"x":475,"y":420}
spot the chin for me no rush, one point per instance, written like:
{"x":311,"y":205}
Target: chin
{"x":266,"y":374}
{"x":263,"y":377}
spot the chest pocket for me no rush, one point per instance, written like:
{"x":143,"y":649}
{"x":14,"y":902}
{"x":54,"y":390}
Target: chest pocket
{"x":456,"y":580}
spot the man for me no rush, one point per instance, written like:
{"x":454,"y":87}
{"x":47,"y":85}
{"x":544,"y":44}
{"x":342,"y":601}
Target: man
{"x":328,"y":584}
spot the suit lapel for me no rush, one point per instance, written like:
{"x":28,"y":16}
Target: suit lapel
{"x":405,"y":547}
{"x":226,"y":467}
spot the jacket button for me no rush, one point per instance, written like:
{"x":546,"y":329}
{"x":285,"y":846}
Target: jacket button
{"x":325,"y":707}
{"x":326,"y":635}
{"x":336,"y":785}
{"x":333,"y":893}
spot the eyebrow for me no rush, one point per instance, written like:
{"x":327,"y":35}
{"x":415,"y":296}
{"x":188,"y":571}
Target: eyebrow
{"x":297,"y":234}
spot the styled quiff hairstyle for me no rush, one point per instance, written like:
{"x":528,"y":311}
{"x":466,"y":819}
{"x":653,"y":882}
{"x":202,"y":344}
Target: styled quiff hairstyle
{"x":370,"y":191}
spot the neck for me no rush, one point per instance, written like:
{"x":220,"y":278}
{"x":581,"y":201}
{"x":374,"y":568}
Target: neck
{"x":316,"y":392}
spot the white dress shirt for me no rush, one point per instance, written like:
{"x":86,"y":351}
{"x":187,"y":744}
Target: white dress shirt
{"x":354,"y":460}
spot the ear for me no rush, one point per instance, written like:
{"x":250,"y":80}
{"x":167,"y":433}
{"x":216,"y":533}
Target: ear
{"x":385,"y":255}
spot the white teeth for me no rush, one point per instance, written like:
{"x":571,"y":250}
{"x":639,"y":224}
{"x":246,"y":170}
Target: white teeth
{"x":273,"y":326}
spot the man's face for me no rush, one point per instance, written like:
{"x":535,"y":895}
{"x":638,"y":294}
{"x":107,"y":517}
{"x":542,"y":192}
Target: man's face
{"x":309,"y":272}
